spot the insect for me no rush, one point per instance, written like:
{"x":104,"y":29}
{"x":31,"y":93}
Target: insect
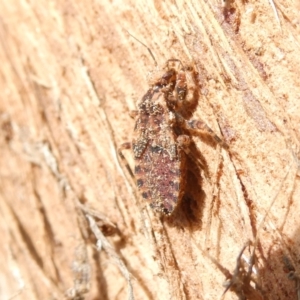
{"x":240,"y":281}
{"x":161,"y":136}
{"x":292,"y":274}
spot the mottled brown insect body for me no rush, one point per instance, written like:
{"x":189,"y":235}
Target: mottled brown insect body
{"x":159,"y":162}
{"x":160,"y":144}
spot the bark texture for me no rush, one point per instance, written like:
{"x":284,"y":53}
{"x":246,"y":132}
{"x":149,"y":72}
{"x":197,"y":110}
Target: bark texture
{"x":73,"y":225}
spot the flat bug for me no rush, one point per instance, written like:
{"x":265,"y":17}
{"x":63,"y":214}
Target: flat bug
{"x":160,"y":144}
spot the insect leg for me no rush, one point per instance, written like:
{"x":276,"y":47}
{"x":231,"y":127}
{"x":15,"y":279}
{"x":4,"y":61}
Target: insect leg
{"x":200,"y":126}
{"x":125,"y":146}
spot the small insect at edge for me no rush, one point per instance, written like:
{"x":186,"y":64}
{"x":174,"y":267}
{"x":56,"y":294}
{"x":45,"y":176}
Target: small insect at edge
{"x":159,"y":144}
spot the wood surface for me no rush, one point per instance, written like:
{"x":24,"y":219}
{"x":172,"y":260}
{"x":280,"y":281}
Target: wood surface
{"x":73,"y":225}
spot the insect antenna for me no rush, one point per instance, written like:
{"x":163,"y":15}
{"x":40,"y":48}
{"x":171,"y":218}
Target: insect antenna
{"x":149,"y":50}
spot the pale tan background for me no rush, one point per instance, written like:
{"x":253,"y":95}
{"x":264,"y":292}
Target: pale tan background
{"x":70,"y":74}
